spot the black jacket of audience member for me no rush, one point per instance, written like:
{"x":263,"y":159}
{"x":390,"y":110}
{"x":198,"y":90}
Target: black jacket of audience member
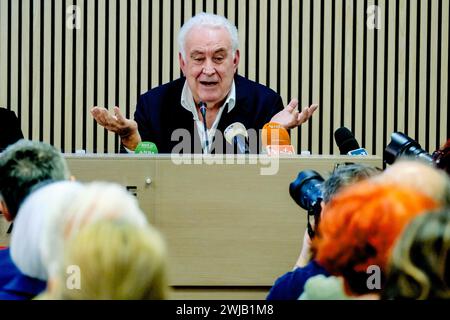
{"x":10,"y":131}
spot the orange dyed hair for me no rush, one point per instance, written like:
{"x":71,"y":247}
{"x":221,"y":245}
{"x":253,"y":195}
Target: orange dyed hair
{"x":359,"y":227}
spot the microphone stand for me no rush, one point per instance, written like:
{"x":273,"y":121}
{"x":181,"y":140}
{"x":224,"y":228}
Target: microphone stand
{"x":203,"y":112}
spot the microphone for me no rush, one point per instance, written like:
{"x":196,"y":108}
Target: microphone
{"x":347,"y":143}
{"x":202,"y":106}
{"x":236,"y":134}
{"x":276,"y":140}
{"x":146,"y":147}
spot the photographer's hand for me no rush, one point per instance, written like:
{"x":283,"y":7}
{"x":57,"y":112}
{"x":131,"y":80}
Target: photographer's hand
{"x":305,"y":253}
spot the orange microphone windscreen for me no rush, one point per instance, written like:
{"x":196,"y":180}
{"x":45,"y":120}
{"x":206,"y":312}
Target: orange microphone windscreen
{"x":274,"y":134}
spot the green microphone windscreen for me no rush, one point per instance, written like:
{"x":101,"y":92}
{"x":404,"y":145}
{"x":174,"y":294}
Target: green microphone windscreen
{"x":146,"y":147}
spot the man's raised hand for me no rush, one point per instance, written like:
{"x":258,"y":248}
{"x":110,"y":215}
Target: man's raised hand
{"x":290,"y":117}
{"x":127,"y":129}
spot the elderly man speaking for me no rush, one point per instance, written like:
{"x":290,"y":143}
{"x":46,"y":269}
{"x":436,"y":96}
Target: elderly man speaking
{"x":209,"y":58}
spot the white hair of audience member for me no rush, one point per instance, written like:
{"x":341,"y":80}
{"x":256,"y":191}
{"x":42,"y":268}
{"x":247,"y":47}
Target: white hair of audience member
{"x":95,"y":201}
{"x":420,"y":175}
{"x":207,"y":20}
{"x":29,"y":225}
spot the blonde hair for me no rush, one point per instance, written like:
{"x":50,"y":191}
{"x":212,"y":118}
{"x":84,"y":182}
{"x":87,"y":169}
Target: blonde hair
{"x":419,"y":267}
{"x":117,"y":260}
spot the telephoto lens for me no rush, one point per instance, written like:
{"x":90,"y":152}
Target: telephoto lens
{"x":306,"y":190}
{"x":402,"y":145}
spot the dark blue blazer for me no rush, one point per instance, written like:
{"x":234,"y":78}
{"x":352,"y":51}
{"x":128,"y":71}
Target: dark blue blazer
{"x":159,"y":112}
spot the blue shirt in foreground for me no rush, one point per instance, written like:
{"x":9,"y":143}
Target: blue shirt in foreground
{"x":291,"y":285}
{"x":14,"y":285}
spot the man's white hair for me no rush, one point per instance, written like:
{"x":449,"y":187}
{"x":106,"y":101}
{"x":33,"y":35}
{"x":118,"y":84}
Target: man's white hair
{"x":207,"y":20}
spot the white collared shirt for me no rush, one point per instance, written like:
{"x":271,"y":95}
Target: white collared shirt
{"x":187,"y":101}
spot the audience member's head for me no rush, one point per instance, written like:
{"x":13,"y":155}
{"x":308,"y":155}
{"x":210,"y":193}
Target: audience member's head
{"x":116,"y":260}
{"x":419,"y":175}
{"x":30,"y":225}
{"x":22,"y":166}
{"x":346,"y":175}
{"x":55,"y":213}
{"x":359,"y":227}
{"x":342,"y":176}
{"x":441,"y":157}
{"x":419,"y":267}
{"x":97,"y":201}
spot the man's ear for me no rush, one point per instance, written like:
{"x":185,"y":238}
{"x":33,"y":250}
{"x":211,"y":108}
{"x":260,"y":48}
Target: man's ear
{"x":237,"y":57}
{"x":182,"y":63}
{"x":5,"y":211}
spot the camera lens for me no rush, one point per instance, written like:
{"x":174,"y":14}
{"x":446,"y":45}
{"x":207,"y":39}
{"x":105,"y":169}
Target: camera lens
{"x":400,"y":145}
{"x":306,"y":189}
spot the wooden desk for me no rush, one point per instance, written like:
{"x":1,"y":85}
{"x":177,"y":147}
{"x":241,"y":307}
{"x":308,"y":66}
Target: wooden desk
{"x":230,"y":230}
